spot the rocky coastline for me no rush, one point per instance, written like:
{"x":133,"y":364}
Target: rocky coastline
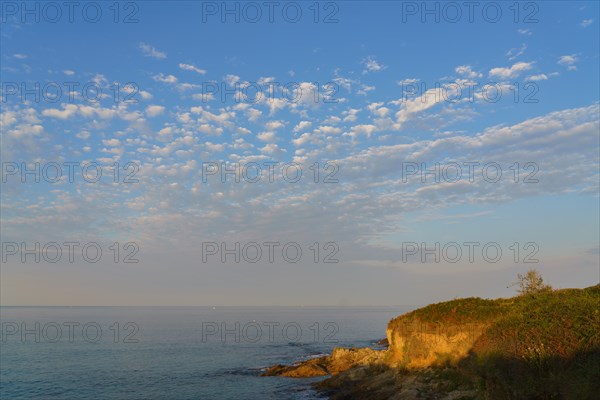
{"x":472,"y":349}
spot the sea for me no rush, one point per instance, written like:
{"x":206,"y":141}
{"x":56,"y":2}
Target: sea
{"x":121,"y":353}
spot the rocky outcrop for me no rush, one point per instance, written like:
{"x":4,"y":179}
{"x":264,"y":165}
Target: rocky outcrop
{"x":341,"y":359}
{"x":411,"y":346}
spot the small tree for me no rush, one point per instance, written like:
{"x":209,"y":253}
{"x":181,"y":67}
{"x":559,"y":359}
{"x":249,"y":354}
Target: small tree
{"x":531,"y":283}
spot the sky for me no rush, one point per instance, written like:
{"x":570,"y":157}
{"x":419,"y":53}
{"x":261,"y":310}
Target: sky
{"x":296,"y":153}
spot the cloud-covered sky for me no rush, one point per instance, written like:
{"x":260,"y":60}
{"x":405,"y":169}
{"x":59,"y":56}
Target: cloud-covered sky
{"x":409,"y":159}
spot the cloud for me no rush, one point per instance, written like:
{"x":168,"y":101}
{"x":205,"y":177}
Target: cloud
{"x":69,"y":72}
{"x":83,"y":135}
{"x":526,"y":32}
{"x":365,"y":89}
{"x":362,"y":129}
{"x":350,"y":114}
{"x":539,"y":77}
{"x":372,"y":65}
{"x":150,"y":51}
{"x":378,"y":110}
{"x":190,"y":67}
{"x":466,"y":70}
{"x":67,"y":112}
{"x":266,"y":136}
{"x":20,"y":56}
{"x":586,"y":22}
{"x":272,"y":148}
{"x":514,"y":53}
{"x":274,"y":125}
{"x":231,"y":79}
{"x":171,"y":79}
{"x":568,"y":61}
{"x":408,"y":81}
{"x":302,"y":125}
{"x":420,"y":103}
{"x":111,"y":142}
{"x":253,"y":114}
{"x":154,"y":110}
{"x":511,"y":72}
{"x":146,"y":95}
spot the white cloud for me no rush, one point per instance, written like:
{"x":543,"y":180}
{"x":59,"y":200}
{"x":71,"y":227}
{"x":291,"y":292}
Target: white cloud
{"x":408,"y":81}
{"x":378,"y":110}
{"x":514,"y":53}
{"x":350,"y":114}
{"x":167,"y":131}
{"x":150,"y":51}
{"x":568,"y":61}
{"x":539,"y":77}
{"x":171,"y":79}
{"x":420,"y":103}
{"x":271,"y":148}
{"x":154,"y":110}
{"x":190,"y":67}
{"x":253,"y":114}
{"x":67,"y":112}
{"x":145,"y":95}
{"x":526,"y":32}
{"x":365,"y":89}
{"x":69,"y":72}
{"x":20,"y":56}
{"x":265,"y":80}
{"x":266,"y":136}
{"x":214,"y":147}
{"x":302,"y":125}
{"x":586,"y":22}
{"x":511,"y":72}
{"x":83,"y":135}
{"x":362,"y":129}
{"x":231,"y":79}
{"x":209,"y":129}
{"x":274,"y":125}
{"x":111,"y":142}
{"x":466,"y":70}
{"x":372,"y":65}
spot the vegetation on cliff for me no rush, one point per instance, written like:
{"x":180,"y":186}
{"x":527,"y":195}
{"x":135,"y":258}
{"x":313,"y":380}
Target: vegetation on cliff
{"x":541,"y":344}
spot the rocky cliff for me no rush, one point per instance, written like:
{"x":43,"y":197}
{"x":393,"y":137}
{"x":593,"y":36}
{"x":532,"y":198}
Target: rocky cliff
{"x":544,"y":345}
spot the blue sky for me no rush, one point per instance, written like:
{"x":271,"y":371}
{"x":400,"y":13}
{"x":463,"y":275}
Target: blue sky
{"x":372,"y":116}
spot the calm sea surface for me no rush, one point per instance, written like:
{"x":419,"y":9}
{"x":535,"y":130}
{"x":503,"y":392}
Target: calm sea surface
{"x":172,"y":352}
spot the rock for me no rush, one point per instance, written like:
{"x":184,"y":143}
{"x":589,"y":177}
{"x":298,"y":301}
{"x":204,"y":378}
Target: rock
{"x":340,"y":360}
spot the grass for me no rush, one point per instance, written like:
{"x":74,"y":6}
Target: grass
{"x":535,"y":346}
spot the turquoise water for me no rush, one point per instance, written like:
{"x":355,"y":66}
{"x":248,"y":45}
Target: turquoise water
{"x":172,"y":352}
